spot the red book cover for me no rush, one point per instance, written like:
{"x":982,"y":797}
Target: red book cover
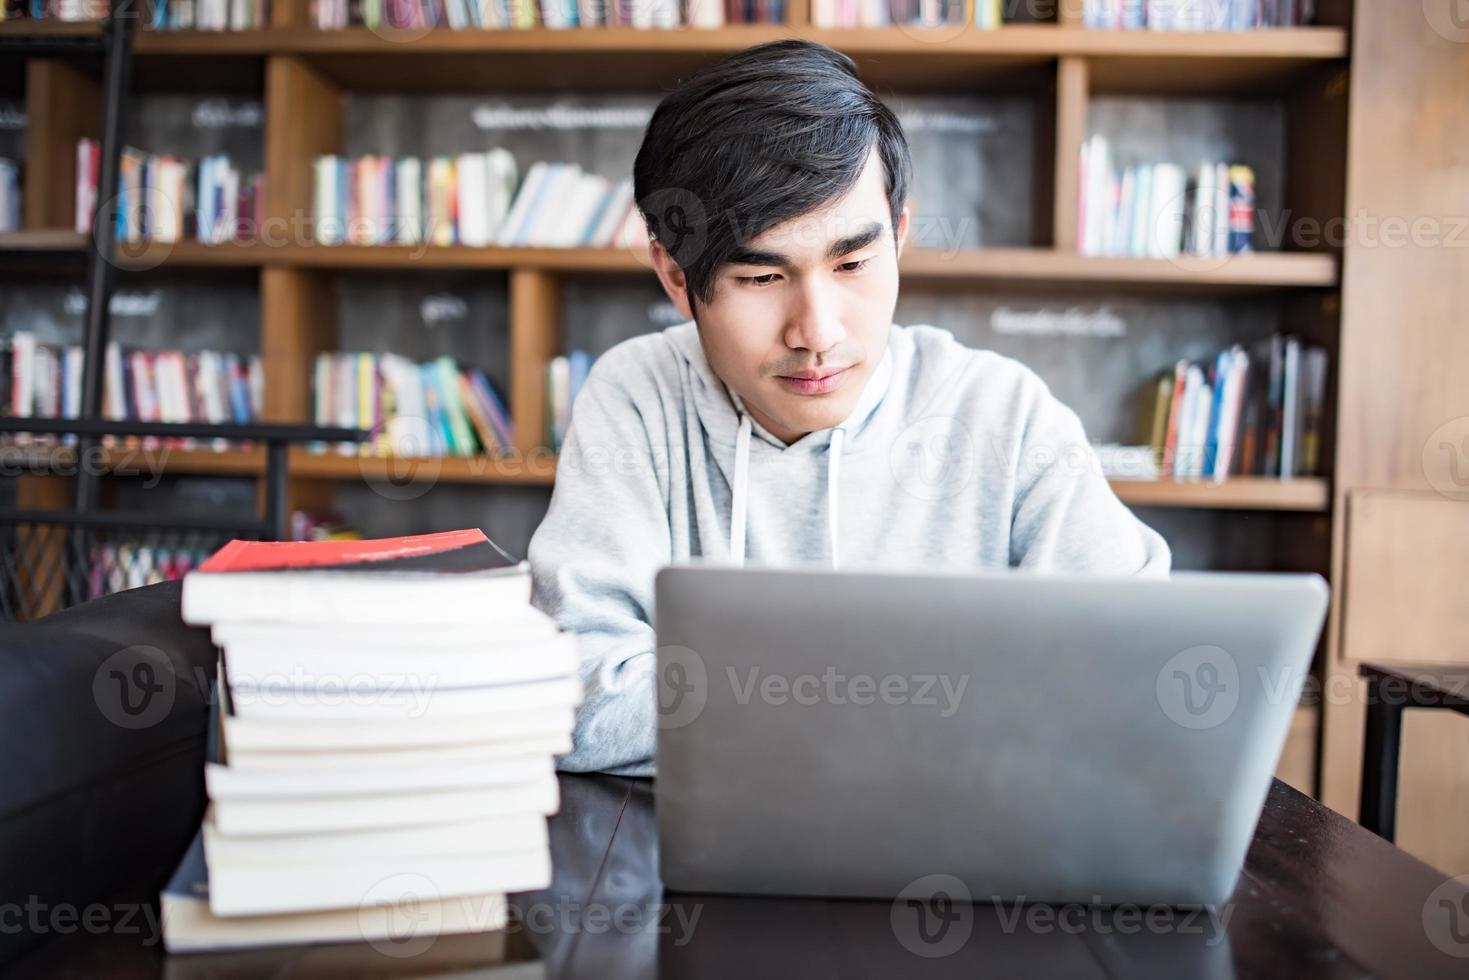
{"x":467,"y":550}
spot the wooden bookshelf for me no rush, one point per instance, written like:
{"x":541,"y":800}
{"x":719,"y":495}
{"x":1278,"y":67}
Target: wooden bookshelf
{"x":915,"y":59}
{"x":42,"y":240}
{"x":1033,"y":267}
{"x":1309,"y":495}
{"x":538,"y":468}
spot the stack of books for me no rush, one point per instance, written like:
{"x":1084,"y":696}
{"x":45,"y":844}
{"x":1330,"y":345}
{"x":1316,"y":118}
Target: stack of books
{"x":208,"y":15}
{"x":1197,"y":15}
{"x":986,"y":14}
{"x":429,"y":409}
{"x":388,"y":713}
{"x":471,"y":199}
{"x":552,"y":14}
{"x":45,"y":381}
{"x":1255,"y":413}
{"x":165,"y":198}
{"x":9,"y":195}
{"x":1154,"y":210}
{"x":117,"y":565}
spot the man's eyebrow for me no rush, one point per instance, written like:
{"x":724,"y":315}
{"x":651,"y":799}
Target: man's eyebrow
{"x":838,"y":248}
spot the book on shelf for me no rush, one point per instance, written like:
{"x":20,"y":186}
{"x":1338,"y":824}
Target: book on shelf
{"x":45,"y":381}
{"x":9,"y":195}
{"x":1158,"y":211}
{"x":473,"y":199}
{"x":387,"y":711}
{"x":984,"y":14}
{"x":165,"y":198}
{"x":549,"y":14}
{"x":565,"y":375}
{"x":157,"y":15}
{"x":1197,"y":15}
{"x":414,"y":410}
{"x":1246,"y":412}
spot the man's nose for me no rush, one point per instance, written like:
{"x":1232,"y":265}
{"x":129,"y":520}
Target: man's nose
{"x":814,"y":321}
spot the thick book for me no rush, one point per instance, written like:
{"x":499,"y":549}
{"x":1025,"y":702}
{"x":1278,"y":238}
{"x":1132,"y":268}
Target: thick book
{"x":302,"y":664}
{"x":223,"y":781}
{"x":190,"y":926}
{"x":342,"y":813}
{"x":295,"y":758}
{"x":426,"y":579}
{"x":412,"y":699}
{"x":247,"y":735}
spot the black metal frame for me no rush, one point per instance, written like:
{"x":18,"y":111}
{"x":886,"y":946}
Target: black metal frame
{"x":80,"y":528}
{"x":1383,"y":738}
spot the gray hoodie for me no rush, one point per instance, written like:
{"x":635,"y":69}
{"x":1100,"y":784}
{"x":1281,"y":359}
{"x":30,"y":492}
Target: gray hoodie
{"x":952,"y":458}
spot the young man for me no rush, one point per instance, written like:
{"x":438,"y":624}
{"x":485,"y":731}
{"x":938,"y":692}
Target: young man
{"x":790,"y":420}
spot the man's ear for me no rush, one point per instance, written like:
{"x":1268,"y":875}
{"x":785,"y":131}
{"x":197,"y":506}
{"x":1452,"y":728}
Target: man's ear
{"x":671,"y":277}
{"x":900,"y":234}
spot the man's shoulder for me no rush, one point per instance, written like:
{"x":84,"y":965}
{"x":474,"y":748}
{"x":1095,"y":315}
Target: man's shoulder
{"x":641,"y":361}
{"x":945,"y":367}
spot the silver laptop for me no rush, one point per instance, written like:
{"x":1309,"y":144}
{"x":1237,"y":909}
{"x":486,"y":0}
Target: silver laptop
{"x":1018,"y":736}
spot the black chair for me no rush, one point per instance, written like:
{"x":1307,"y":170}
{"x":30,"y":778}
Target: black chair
{"x":1391,"y":688}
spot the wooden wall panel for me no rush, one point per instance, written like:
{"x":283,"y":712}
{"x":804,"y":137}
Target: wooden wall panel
{"x":1401,"y":385}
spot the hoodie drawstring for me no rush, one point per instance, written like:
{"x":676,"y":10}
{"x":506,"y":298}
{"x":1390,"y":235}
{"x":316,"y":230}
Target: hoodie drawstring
{"x":833,"y":481}
{"x":741,"y":490}
{"x":740,"y":504}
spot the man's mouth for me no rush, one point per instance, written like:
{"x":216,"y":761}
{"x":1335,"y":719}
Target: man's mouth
{"x":817,"y":381}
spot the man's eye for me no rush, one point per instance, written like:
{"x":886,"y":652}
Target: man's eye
{"x":857,"y":265}
{"x":764,"y":280}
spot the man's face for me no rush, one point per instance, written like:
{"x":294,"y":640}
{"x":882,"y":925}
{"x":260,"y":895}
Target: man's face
{"x":800,"y":316}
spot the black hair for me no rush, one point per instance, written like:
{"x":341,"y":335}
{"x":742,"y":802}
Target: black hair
{"x":764,"y":136}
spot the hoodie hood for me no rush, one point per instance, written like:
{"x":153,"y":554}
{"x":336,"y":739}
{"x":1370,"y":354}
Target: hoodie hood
{"x":731,"y":430}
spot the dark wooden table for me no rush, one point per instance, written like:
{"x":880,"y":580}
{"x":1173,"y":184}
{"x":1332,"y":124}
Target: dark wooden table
{"x":1319,"y":897}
